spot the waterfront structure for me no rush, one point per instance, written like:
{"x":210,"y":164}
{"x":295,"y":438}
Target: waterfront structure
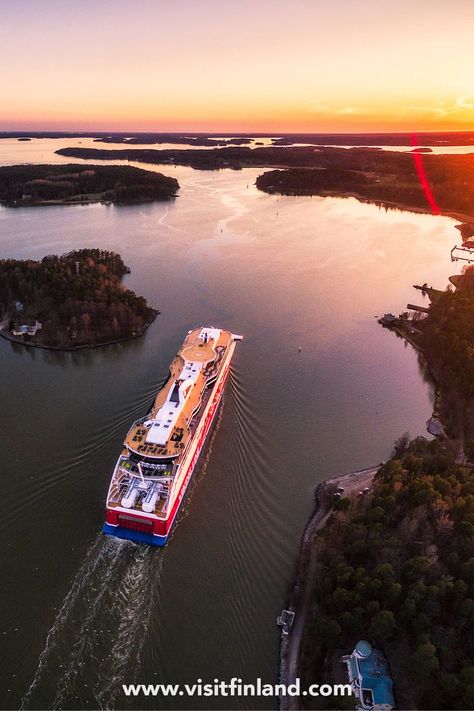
{"x":369,"y":677}
{"x":465,"y":253}
{"x":27,"y":329}
{"x":161,"y":450}
{"x":285,"y":620}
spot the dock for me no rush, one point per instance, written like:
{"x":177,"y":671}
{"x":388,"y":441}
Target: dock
{"x":285,"y":620}
{"x":464,"y":254}
{"x":422,"y":309}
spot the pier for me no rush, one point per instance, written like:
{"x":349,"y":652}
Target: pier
{"x":464,"y":254}
{"x":421,"y":309}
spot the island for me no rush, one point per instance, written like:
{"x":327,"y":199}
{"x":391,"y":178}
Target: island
{"x":72,"y":301}
{"x":176,"y":138}
{"x":390,"y":178}
{"x":32,"y":185}
{"x":385,"y":178}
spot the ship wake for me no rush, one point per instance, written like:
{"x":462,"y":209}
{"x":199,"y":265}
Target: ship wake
{"x":98,"y":636}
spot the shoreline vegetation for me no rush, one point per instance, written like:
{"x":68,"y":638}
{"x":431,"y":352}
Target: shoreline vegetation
{"x":394,"y":562}
{"x":383,"y":177}
{"x":393,"y":565}
{"x":300,"y":597}
{"x":72,"y":184}
{"x":443,"y":332}
{"x":71,"y":302}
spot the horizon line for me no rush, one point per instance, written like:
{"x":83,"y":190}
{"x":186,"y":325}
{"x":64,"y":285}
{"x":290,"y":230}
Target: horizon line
{"x":407,"y":132}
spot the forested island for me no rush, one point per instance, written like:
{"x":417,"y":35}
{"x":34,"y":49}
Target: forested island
{"x":432,"y":138}
{"x":176,"y":138}
{"x":397,"y":567}
{"x":30,"y":185}
{"x":72,"y":301}
{"x":385,"y":177}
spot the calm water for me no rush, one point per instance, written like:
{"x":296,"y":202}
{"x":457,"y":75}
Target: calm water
{"x":80,"y":613}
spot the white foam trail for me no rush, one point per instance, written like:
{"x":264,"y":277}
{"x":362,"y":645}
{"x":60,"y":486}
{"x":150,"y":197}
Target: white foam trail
{"x":236,"y":206}
{"x":101,"y":626}
{"x":164,"y":223}
{"x":134,"y":610}
{"x":91,"y":562}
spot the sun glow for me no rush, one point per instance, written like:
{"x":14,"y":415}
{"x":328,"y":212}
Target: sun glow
{"x":264,"y":66}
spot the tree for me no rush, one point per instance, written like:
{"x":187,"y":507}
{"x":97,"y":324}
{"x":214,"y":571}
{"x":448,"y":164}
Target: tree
{"x":424,"y":661}
{"x":401,"y":445}
{"x":382,"y":625}
{"x":327,"y":632}
{"x":415,"y":568}
{"x":343,"y":504}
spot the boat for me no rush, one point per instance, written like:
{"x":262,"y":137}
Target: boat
{"x":161,"y":450}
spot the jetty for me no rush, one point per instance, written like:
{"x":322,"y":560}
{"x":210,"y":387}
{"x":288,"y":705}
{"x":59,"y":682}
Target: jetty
{"x":462,"y":253}
{"x":422,"y":309}
{"x":432,"y":294}
{"x":285,"y":620}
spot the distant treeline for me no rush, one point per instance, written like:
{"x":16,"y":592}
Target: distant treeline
{"x":389,"y":177}
{"x":455,"y":138}
{"x":448,"y":333}
{"x":384,"y":177}
{"x":78,"y":298}
{"x":142,"y":139}
{"x":398,"y":569}
{"x":450,"y":138}
{"x":37,"y":184}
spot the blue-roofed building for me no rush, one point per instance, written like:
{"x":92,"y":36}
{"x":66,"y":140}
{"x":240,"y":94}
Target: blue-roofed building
{"x":369,"y":677}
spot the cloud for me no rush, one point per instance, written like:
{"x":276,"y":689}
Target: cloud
{"x":349,"y":111}
{"x":337,"y":111}
{"x":461,"y":104}
{"x":465,"y":102}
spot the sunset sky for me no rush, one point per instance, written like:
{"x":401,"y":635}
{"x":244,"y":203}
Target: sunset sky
{"x":223,"y":65}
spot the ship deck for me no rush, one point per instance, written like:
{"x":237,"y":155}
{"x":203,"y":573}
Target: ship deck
{"x":209,"y":356}
{"x":160,"y":508}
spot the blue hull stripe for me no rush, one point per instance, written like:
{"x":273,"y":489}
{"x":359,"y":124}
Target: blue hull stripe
{"x":136,"y":536}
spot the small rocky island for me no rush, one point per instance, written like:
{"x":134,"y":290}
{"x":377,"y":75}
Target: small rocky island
{"x":30,"y":185}
{"x":69,"y":302}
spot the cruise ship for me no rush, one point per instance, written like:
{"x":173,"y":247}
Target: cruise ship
{"x":160,"y":450}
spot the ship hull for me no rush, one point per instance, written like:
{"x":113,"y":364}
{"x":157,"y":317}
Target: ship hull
{"x":154,"y":531}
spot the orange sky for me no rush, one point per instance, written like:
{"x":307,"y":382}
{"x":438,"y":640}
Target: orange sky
{"x":223,"y":65}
